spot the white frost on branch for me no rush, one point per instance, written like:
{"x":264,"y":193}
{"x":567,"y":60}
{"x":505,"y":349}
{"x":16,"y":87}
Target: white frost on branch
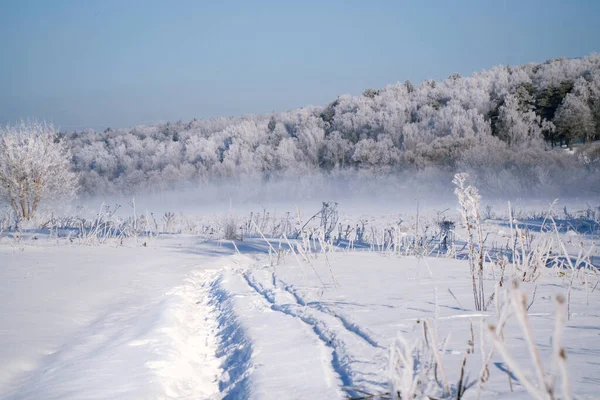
{"x":34,"y":167}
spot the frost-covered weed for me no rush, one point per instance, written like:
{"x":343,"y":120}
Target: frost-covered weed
{"x":469,"y":199}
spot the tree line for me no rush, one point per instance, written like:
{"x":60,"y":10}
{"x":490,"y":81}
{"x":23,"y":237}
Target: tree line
{"x":507,"y":126}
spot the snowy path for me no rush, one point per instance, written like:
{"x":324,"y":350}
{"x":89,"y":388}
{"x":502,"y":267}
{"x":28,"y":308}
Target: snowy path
{"x":187,"y":320}
{"x":126,"y":323}
{"x":98,"y":323}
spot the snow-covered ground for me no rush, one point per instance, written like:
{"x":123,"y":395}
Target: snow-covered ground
{"x":189,"y":317}
{"x":106,"y":322}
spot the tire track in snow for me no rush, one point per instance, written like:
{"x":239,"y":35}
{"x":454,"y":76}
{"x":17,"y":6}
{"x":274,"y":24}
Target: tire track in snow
{"x":353,"y":354}
{"x":350,"y":325}
{"x":235,"y":348}
{"x":320,"y":331}
{"x":268,"y":354}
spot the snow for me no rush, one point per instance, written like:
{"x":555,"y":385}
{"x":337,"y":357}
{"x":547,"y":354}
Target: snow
{"x":181,"y":317}
{"x":379,"y":296}
{"x":104,"y":322}
{"x":279,"y":355}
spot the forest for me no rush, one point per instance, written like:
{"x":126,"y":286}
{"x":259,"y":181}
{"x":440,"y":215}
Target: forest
{"x":521,"y":128}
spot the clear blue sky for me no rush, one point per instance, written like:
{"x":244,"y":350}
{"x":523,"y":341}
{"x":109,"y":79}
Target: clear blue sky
{"x":93,"y":64}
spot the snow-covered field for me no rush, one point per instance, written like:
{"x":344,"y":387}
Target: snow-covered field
{"x":186,"y":315}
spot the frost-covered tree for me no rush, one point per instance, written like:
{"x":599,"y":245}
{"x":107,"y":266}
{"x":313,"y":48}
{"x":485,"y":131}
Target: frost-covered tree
{"x":378,"y":153}
{"x":575,"y":120}
{"x":272,"y":124}
{"x":335,"y":151}
{"x":520,"y":129}
{"x":34,"y":166}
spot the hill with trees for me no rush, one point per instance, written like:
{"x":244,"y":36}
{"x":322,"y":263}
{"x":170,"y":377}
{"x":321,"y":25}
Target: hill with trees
{"x":507,"y":126}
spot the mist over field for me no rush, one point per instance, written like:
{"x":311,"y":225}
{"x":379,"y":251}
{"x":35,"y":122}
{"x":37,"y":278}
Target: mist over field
{"x":353,"y":193}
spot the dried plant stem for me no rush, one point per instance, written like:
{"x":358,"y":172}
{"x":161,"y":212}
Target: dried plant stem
{"x":437,"y":355}
{"x":523,"y":379}
{"x":461,"y":385}
{"x":519,"y":304}
{"x":469,"y":199}
{"x":560,"y":357}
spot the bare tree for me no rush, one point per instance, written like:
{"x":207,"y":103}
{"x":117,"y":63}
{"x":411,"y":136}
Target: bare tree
{"x":34,"y":167}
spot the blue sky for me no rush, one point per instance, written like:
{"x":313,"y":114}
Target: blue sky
{"x":93,"y":64}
